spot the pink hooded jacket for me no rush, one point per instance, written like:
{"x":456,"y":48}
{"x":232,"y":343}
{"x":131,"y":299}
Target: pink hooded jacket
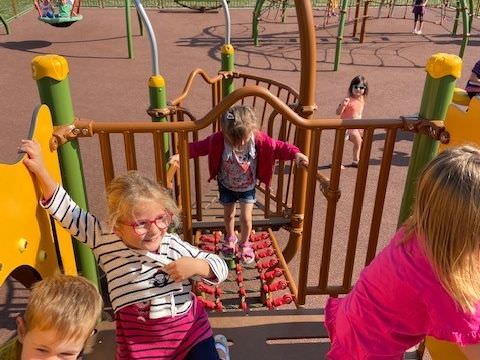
{"x":268,"y":150}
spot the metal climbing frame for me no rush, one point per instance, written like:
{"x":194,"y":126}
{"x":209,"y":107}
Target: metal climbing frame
{"x":267,"y":11}
{"x":462,"y":8}
{"x":280,"y":121}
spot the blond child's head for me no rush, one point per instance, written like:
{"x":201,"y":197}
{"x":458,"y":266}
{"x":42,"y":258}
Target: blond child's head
{"x":238,"y":124}
{"x":140,"y":210}
{"x":61,"y":314}
{"x":446,"y":214}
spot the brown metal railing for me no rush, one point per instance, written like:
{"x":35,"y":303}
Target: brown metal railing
{"x":270,"y":121}
{"x":282,"y":122}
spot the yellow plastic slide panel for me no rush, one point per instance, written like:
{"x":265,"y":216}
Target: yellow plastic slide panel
{"x":443,"y":350}
{"x":463,"y":126}
{"x":27,"y":237}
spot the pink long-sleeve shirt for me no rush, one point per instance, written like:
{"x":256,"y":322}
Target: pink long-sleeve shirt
{"x":268,"y":150}
{"x":396,"y":302}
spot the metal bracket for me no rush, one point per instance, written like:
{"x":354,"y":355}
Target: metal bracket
{"x":432,"y":128}
{"x":169,"y":110}
{"x":228,"y":74}
{"x":308,"y":109}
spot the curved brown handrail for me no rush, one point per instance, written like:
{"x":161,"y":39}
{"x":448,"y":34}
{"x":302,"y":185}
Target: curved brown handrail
{"x":188,"y":84}
{"x":259,"y":79}
{"x":227,"y":102}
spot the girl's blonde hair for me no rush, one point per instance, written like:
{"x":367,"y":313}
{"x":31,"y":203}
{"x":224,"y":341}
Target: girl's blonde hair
{"x":129,"y":191}
{"x":446,"y":215}
{"x":69,"y":305}
{"x":238,"y":123}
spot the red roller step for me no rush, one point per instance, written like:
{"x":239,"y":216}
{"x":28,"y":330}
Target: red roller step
{"x":263,"y":277}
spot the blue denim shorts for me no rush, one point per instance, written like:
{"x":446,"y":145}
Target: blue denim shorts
{"x":228,"y":196}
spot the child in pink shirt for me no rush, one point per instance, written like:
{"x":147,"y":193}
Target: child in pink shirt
{"x":352,"y":108}
{"x":425,"y":282}
{"x":238,"y":155}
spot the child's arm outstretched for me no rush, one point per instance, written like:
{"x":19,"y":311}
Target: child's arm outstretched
{"x":80,"y":223}
{"x":195,"y":149}
{"x":34,"y":163}
{"x":286,"y":151}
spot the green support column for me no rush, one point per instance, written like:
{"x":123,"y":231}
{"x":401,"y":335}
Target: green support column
{"x":466,"y":28}
{"x":158,"y":100}
{"x":442,"y":72}
{"x":51,"y":74}
{"x":228,"y":64}
{"x":256,"y":16}
{"x":457,"y":15}
{"x":341,"y":29}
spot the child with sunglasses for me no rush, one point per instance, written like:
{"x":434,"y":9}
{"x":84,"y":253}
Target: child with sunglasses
{"x":147,"y":268}
{"x":352,"y":108}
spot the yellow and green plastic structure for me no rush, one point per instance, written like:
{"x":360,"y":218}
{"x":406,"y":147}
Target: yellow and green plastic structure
{"x":32,"y":246}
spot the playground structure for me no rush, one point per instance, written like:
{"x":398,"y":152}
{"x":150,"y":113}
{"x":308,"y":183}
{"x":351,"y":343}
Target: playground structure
{"x":281,"y":122}
{"x":275,"y":11}
{"x":37,"y":248}
{"x":61,"y":21}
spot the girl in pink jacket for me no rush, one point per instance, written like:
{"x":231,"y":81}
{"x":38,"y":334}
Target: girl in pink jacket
{"x":238,"y":155}
{"x":425,"y":282}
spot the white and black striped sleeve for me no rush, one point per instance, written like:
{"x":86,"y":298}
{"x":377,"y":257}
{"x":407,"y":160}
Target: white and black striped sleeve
{"x":182,"y":248}
{"x":80,"y":223}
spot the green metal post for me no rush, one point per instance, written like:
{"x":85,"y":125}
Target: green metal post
{"x":158,"y":100}
{"x":466,"y":28}
{"x":51,"y":74}
{"x":228,"y":64}
{"x":442,"y":71}
{"x":457,"y":15}
{"x":128,"y":21}
{"x":341,"y":29}
{"x":255,"y":20}
{"x":470,"y":15}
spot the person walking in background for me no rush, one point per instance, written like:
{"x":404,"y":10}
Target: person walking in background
{"x":352,"y":108}
{"x":419,"y":7}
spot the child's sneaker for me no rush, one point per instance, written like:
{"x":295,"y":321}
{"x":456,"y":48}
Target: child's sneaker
{"x":247,"y":253}
{"x":229,"y":246}
{"x":221,"y":344}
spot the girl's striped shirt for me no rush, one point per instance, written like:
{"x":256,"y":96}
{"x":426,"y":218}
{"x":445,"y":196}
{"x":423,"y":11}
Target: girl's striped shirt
{"x":134,"y":276}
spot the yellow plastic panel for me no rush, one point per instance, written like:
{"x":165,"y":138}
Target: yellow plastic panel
{"x":27,"y":237}
{"x":443,"y":350}
{"x":460,"y":97}
{"x":442,"y":64}
{"x":463,"y":126}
